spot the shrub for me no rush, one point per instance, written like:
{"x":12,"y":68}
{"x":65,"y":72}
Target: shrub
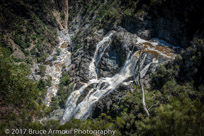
{"x":26,"y":52}
{"x":62,"y":15}
{"x":29,"y":61}
{"x":58,"y":50}
{"x":41,"y":84}
{"x":49,"y":81}
{"x":42,"y":70}
{"x":42,"y":58}
{"x":65,"y":80}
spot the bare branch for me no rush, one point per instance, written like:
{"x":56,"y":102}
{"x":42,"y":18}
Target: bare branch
{"x":154,"y":105}
{"x":141,"y":85}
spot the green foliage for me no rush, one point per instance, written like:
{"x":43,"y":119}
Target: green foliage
{"x":26,"y":52}
{"x":65,"y":80}
{"x":33,"y":51}
{"x":120,"y":122}
{"x":49,"y":81}
{"x":41,"y":84}
{"x":42,"y":69}
{"x":13,"y":82}
{"x":62,"y":15}
{"x":157,"y":2}
{"x":54,"y":104}
{"x":181,"y":116}
{"x":58,"y":50}
{"x":34,"y":37}
{"x":139,"y":13}
{"x":18,"y":94}
{"x":27,"y":24}
{"x":54,"y":57}
{"x":181,"y":111}
{"x":65,"y":88}
{"x":29,"y":61}
{"x":42,"y":57}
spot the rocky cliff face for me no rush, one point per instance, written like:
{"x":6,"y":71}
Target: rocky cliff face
{"x":174,"y":21}
{"x":109,"y":57}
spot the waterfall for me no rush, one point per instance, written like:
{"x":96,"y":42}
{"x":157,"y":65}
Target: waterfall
{"x":104,"y":87}
{"x":100,"y":49}
{"x":100,"y":87}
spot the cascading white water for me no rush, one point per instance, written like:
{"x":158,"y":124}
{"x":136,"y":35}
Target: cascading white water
{"x":97,"y":55}
{"x":111,"y":83}
{"x":74,"y":96}
{"x":102,"y":86}
{"x":55,"y":69}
